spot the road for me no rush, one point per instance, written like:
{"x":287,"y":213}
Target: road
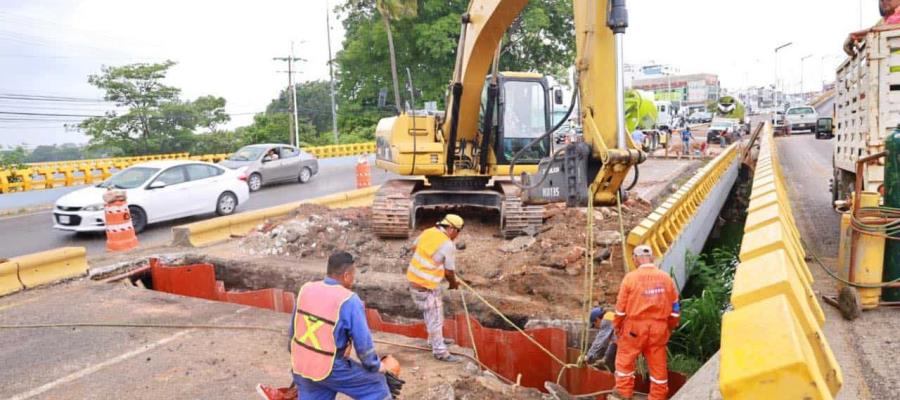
{"x":32,"y":232}
{"x":865,"y":349}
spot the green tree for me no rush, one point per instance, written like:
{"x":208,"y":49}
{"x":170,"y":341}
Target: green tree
{"x":542,"y":39}
{"x":155,"y":120}
{"x":313,"y":104}
{"x":275,"y":128}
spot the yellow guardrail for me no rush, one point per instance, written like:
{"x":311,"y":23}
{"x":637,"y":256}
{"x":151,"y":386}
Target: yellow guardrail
{"x":664,"y":225}
{"x":222,"y":228}
{"x":84,"y":172}
{"x":772,"y":342}
{"x":37,"y":269}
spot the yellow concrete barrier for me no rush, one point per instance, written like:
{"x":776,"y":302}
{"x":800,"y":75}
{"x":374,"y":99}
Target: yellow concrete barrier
{"x":773,"y":346}
{"x":45,"y":267}
{"x":99,"y":169}
{"x":664,"y":225}
{"x":9,"y":278}
{"x":222,"y":228}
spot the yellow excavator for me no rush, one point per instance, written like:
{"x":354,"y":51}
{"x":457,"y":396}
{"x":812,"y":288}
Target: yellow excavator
{"x":491,"y":148}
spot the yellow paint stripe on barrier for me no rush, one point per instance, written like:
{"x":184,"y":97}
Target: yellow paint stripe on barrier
{"x":52,"y":266}
{"x":218,"y":229}
{"x":772,"y":342}
{"x":9,"y":278}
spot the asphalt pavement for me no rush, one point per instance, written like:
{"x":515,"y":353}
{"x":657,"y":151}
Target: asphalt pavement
{"x":866,"y":349}
{"x":33,"y":232}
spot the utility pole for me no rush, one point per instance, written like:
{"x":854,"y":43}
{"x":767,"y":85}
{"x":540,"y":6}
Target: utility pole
{"x":331,"y":73}
{"x":292,"y":90}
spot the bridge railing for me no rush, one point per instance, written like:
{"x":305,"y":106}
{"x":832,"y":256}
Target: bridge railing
{"x":772,"y":341}
{"x":665,"y":224}
{"x":48,"y":175}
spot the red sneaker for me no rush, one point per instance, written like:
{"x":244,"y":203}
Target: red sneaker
{"x":272,"y":393}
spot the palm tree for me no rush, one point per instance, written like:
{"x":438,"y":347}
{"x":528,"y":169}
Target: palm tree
{"x":390,"y":9}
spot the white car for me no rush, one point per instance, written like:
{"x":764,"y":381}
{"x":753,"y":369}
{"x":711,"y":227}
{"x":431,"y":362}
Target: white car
{"x":800,"y":119}
{"x":156,"y":191}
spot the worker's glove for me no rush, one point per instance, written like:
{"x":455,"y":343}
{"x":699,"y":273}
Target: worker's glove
{"x":394,"y":383}
{"x":454,"y":285}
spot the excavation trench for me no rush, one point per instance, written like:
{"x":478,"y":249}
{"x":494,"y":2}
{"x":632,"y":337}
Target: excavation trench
{"x":507,"y":353}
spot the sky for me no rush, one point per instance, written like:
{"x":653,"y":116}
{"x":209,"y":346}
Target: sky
{"x":225,"y":48}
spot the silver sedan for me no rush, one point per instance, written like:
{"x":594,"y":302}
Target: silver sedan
{"x":270,"y":163}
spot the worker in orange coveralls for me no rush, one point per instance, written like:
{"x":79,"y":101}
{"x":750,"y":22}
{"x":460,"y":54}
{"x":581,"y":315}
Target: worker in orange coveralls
{"x":647,"y":311}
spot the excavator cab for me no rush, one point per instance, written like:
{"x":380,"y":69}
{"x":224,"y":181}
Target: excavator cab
{"x":524,"y":114}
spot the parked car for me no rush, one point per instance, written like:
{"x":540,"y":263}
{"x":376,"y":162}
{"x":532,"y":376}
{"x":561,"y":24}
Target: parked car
{"x":722,"y":129}
{"x":801,"y":119}
{"x":156,"y":191}
{"x":824,"y":128}
{"x":700,"y":117}
{"x":270,"y":163}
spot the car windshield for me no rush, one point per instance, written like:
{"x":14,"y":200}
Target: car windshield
{"x":129,"y":178}
{"x":247,"y":154}
{"x":800,"y":110}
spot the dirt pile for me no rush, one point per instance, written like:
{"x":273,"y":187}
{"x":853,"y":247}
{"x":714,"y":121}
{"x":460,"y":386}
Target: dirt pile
{"x":548,"y":267}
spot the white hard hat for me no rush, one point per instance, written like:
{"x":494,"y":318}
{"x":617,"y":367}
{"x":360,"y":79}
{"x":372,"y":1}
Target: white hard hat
{"x":643,"y":250}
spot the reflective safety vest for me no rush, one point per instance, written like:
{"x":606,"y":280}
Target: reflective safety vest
{"x":313,"y":347}
{"x":423,"y":270}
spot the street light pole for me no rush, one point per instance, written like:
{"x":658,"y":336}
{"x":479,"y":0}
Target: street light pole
{"x":334,"y":127}
{"x":802,"y":59}
{"x":775,"y":90}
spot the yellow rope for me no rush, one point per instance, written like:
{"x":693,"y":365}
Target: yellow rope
{"x":622,"y":232}
{"x":512,"y":324}
{"x":462,"y":295}
{"x":588,"y":289}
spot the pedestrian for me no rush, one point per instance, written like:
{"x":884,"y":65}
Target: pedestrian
{"x":647,"y":310}
{"x":327,"y":319}
{"x":686,"y":138}
{"x":664,"y":140}
{"x":638,"y":137}
{"x":433,"y":260}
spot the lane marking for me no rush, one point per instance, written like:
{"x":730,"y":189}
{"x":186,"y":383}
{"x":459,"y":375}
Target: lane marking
{"x":117,"y":359}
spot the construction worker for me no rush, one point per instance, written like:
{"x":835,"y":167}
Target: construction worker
{"x":647,"y":310}
{"x":329,"y":317}
{"x":433,"y":260}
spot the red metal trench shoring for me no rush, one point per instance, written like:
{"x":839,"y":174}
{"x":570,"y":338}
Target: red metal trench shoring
{"x":506,"y":353}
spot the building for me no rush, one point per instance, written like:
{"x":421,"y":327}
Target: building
{"x":691,"y":90}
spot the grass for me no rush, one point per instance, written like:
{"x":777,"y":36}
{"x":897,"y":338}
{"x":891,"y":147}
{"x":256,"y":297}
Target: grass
{"x":706,"y":297}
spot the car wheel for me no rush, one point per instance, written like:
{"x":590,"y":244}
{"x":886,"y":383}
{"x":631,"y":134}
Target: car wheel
{"x":254,"y":182}
{"x":305,"y":175}
{"x":138,"y":218}
{"x":226,"y":204}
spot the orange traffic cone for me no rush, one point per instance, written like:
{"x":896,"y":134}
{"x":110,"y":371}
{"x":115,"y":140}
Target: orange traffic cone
{"x":363,"y":172}
{"x":119,"y":231}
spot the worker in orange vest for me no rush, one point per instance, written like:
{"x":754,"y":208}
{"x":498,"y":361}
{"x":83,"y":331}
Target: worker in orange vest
{"x":327,"y":319}
{"x":433,"y":260}
{"x":647,"y":310}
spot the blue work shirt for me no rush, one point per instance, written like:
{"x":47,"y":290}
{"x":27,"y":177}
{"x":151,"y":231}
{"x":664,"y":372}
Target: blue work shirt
{"x":351,"y":326}
{"x":686,"y":135}
{"x":637,"y":136}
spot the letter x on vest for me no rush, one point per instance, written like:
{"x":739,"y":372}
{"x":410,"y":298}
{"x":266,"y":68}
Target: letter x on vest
{"x":309,"y":339}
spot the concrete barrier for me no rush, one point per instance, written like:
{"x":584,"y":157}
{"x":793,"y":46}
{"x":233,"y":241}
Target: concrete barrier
{"x":42,"y":268}
{"x":683,"y":222}
{"x":9,"y":278}
{"x":79,"y":172}
{"x":222,"y":228}
{"x":772,"y":342}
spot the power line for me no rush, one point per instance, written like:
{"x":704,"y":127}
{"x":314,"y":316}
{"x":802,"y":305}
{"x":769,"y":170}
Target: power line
{"x":48,"y":114}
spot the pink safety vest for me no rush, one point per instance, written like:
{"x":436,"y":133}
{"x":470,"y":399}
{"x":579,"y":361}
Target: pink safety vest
{"x":312,"y":347}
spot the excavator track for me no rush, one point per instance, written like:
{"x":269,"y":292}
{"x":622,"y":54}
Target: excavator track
{"x":516,"y":218}
{"x":391,"y":209}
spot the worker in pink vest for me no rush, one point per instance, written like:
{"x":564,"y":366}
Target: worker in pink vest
{"x":327,"y":319}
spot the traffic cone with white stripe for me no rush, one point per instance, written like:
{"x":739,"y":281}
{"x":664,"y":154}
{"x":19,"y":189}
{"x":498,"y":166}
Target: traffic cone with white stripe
{"x":120,"y":234}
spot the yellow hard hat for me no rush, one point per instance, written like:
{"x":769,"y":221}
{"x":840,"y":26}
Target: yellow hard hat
{"x":452,"y":220}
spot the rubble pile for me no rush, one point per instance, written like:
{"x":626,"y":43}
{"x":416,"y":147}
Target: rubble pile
{"x":548,"y":266}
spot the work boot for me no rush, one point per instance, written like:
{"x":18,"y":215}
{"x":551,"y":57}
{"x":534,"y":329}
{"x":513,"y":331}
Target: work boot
{"x":272,"y":393}
{"x":450,"y":358}
{"x":447,"y":341}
